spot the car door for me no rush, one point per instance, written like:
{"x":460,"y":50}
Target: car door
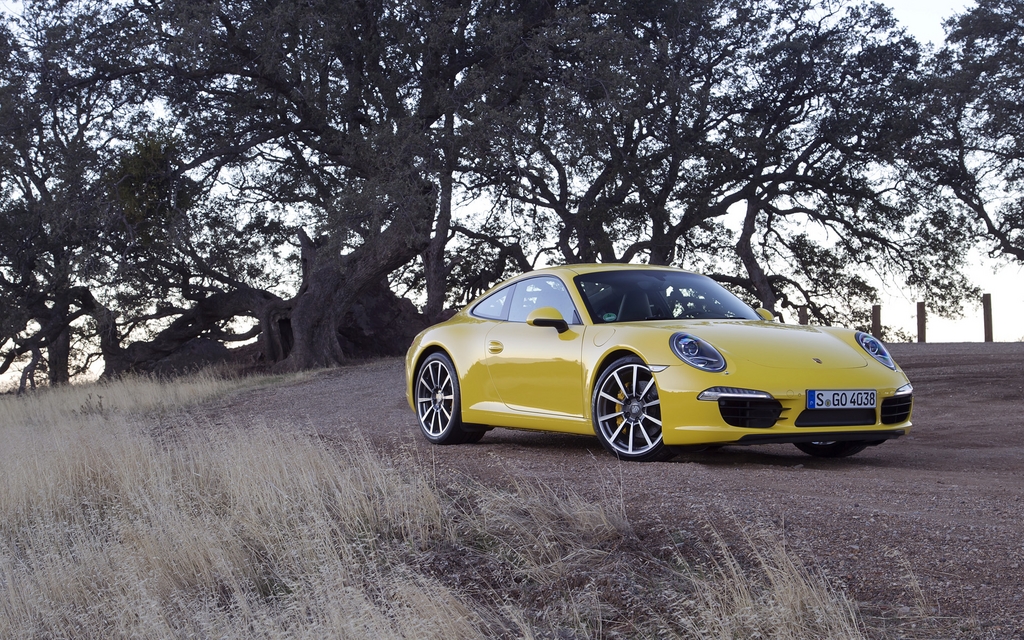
{"x":537,"y":369}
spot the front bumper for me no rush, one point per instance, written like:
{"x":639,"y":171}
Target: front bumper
{"x":689,"y":421}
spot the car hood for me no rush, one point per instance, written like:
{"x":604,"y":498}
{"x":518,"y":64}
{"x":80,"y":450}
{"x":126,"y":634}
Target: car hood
{"x":774,"y":345}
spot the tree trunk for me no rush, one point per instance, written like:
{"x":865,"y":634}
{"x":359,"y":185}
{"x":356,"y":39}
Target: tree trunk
{"x":28,"y":374}
{"x":58,"y":357}
{"x":745,"y":250}
{"x":202,"y":318}
{"x":276,"y":337}
{"x":332,"y":285}
{"x":434,"y":265}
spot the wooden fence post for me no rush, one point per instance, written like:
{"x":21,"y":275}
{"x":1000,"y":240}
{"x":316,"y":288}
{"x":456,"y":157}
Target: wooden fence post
{"x":921,"y":322}
{"x":986,"y":304}
{"x":876,"y":320}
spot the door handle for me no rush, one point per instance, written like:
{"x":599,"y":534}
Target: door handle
{"x":495,"y":347}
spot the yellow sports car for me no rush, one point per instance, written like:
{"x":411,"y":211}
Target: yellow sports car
{"x":651,"y":360}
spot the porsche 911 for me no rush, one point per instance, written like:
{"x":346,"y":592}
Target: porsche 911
{"x":652,"y":361}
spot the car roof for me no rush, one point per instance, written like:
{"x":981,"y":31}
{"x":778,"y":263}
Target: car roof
{"x":578,"y":269}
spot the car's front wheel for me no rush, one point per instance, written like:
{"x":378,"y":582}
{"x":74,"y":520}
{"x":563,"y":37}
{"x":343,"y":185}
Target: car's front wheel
{"x":831,"y":449}
{"x":626,"y":411}
{"x":439,"y":402}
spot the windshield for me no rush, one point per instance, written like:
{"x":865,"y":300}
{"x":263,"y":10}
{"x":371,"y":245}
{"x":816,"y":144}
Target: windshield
{"x":630,"y":296}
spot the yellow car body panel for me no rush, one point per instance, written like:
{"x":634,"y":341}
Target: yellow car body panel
{"x":516,"y":375}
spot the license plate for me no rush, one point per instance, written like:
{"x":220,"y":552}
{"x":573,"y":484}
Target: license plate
{"x":841,"y":399}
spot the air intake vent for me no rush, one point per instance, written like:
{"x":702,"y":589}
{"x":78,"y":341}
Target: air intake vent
{"x":754,"y":413}
{"x":896,"y":410}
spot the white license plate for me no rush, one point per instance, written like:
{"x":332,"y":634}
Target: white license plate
{"x":841,"y":399}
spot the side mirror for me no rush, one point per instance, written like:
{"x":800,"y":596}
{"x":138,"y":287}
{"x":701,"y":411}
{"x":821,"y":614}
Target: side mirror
{"x":765,"y":314}
{"x":547,"y":317}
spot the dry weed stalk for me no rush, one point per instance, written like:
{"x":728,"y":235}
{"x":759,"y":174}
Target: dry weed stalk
{"x":779,"y":598}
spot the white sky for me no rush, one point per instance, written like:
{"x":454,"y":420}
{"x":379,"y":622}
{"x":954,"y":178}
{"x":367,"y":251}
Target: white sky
{"x":923,"y":18}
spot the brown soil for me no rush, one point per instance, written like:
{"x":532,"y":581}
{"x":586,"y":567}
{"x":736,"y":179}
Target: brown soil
{"x":942,"y":506}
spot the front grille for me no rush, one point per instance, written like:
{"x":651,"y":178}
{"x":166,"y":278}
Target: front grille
{"x":835,"y":417}
{"x":895,"y":410}
{"x":755,"y":413}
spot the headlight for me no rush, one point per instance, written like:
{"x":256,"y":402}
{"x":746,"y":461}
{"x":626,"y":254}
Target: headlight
{"x":696,"y":353}
{"x":876,"y":349}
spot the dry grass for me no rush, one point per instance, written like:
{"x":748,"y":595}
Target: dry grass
{"x":133,"y":395}
{"x":107,"y":530}
{"x":777,"y":598}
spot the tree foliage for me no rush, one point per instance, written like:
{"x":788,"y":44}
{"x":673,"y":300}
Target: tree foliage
{"x":63,"y":108}
{"x":178,"y":170}
{"x":974,"y":148}
{"x":768,"y":131}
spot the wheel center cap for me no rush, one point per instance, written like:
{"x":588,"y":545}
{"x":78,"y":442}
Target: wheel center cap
{"x":634,"y":410}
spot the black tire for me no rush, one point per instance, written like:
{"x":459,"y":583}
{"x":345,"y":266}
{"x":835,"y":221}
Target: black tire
{"x":439,"y":401}
{"x":832,"y":449}
{"x":626,"y":412}
{"x":474,"y":435}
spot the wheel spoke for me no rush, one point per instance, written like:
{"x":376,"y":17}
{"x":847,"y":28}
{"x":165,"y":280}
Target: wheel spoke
{"x":646,"y":437}
{"x":652,"y":403}
{"x":650,"y":383}
{"x":631,"y":437}
{"x":610,"y":415}
{"x":648,"y":416}
{"x":619,"y":382}
{"x":615,"y":435}
{"x":635,"y":374}
{"x":611,"y":398}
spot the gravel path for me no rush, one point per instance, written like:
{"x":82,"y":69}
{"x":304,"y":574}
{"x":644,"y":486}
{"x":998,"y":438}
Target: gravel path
{"x":940,"y":510}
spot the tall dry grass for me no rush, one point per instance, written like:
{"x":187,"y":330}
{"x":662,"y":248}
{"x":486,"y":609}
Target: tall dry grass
{"x":107,"y":530}
{"x":64,"y":406}
{"x":778,"y":597}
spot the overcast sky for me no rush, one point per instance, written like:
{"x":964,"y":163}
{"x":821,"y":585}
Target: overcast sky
{"x":923,"y":18}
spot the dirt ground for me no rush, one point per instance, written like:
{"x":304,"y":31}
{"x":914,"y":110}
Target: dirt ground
{"x":940,"y":509}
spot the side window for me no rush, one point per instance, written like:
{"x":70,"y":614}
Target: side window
{"x":541,"y":292}
{"x":494,"y":306}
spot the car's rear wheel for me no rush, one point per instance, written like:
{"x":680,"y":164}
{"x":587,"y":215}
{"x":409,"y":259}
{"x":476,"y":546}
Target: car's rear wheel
{"x":626,"y":411}
{"x":832,"y":449}
{"x":439,"y":402}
